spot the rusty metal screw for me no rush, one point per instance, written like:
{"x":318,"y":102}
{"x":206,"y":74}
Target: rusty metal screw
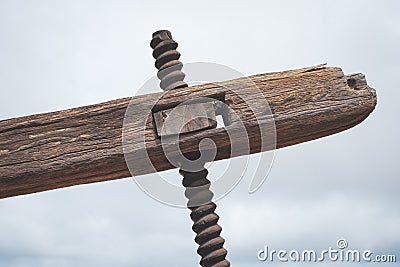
{"x":167,"y":61}
{"x":205,"y":220}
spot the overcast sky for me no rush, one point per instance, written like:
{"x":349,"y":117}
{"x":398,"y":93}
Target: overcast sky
{"x":62,"y":54}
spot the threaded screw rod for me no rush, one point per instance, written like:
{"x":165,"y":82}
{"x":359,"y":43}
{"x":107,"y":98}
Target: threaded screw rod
{"x":167,"y":61}
{"x":205,"y":220}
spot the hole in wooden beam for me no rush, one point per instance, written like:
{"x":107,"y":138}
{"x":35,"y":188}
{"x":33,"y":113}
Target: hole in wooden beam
{"x":220,"y":121}
{"x":351,"y":82}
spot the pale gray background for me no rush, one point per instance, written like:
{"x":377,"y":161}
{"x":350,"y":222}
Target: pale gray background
{"x":61,"y":54}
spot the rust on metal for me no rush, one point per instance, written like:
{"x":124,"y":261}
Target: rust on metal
{"x":196,"y":183}
{"x":167,"y":61}
{"x":185,"y":119}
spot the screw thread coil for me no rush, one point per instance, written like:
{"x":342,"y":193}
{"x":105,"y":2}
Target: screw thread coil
{"x":205,"y":220}
{"x":167,"y":61}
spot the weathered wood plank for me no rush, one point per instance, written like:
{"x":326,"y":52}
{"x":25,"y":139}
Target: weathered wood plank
{"x":84,"y":145}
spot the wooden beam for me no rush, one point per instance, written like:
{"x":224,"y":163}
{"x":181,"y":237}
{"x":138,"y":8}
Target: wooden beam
{"x":84,"y":145}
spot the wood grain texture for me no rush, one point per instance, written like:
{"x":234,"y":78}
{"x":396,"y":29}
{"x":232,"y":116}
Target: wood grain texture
{"x":84,"y":145}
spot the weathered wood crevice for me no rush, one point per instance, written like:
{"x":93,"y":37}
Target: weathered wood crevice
{"x":84,"y":145}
